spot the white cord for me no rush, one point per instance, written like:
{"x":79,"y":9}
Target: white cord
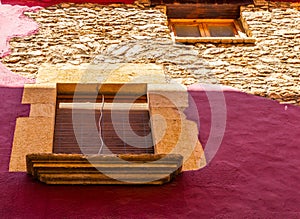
{"x":100,"y":125}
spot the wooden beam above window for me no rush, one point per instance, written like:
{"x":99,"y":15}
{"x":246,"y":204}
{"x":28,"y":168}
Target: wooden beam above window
{"x":203,"y":11}
{"x":238,"y":2}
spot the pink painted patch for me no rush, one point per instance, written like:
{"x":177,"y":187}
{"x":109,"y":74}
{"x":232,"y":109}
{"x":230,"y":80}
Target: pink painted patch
{"x":13,"y":23}
{"x":10,"y":79}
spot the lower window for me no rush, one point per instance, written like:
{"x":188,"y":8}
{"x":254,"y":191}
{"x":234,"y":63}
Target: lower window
{"x":86,"y":126}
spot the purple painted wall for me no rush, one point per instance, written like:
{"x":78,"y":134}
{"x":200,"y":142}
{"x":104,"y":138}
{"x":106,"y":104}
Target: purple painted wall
{"x":10,"y":109}
{"x":255,"y":174}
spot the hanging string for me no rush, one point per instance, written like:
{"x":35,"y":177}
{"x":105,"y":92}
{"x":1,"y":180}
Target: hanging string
{"x":100,"y":126}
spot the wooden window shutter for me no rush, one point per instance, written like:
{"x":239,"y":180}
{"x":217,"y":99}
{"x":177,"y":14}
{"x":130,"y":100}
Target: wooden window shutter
{"x":114,"y":131}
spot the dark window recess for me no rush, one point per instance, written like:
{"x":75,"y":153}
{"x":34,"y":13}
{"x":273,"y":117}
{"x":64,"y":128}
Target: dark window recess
{"x":197,"y":28}
{"x":78,"y":130}
{"x":221,"y":30}
{"x":205,"y":10}
{"x":187,"y":31}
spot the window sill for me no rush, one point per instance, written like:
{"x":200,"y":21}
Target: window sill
{"x":225,"y":40}
{"x":74,"y":169}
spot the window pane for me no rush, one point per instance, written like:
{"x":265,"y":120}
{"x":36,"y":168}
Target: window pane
{"x":222,"y":30}
{"x":187,"y":31}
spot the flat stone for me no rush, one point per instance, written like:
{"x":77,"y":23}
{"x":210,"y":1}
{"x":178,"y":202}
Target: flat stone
{"x":105,"y":72}
{"x":270,"y":28}
{"x":104,"y":169}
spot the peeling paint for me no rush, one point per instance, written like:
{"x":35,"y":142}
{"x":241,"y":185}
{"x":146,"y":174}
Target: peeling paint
{"x":13,"y":23}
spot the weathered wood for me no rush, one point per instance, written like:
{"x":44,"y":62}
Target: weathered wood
{"x":114,"y":128}
{"x":109,"y":89}
{"x":203,"y":26}
{"x":216,"y":40}
{"x":203,"y":11}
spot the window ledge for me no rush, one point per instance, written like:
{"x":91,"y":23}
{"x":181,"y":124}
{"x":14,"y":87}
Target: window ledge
{"x":72,"y":169}
{"x":224,"y":40}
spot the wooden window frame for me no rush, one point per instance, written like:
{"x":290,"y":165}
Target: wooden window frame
{"x":239,"y":34}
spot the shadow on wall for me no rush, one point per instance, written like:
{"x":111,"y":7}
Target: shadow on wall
{"x":254,"y":172}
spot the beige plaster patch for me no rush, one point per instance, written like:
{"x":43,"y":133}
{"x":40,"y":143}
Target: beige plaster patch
{"x":35,"y":133}
{"x":39,"y":93}
{"x":32,"y":135}
{"x":172,"y":132}
{"x":42,"y":110}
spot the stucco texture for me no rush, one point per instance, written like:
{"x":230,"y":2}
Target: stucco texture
{"x":255,"y":173}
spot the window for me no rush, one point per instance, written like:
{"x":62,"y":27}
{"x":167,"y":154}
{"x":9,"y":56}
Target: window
{"x":132,"y":162}
{"x":197,"y":30}
{"x":102,"y":127}
{"x":198,"y":22}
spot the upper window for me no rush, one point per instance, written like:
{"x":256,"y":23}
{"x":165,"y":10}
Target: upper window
{"x":207,"y":23}
{"x":207,"y":30}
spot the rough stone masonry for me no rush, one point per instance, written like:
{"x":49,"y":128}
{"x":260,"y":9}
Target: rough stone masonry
{"x":91,"y":33}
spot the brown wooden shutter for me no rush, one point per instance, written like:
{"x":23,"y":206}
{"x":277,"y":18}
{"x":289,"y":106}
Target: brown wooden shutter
{"x":87,"y":135}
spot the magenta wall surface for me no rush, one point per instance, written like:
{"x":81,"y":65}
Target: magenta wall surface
{"x":255,"y":173}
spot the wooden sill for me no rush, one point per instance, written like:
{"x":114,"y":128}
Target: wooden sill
{"x":224,"y":40}
{"x":106,"y":106}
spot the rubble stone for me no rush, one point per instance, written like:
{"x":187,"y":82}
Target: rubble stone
{"x":90,"y":33}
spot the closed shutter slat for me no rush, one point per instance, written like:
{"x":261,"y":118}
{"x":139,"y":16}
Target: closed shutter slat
{"x":86,"y":122}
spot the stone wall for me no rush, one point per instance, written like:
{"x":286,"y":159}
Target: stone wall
{"x":269,"y":68}
{"x":90,"y":33}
